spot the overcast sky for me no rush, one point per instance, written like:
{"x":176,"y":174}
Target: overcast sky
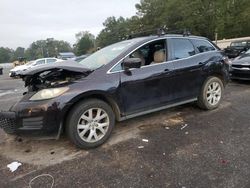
{"x":25,"y":21}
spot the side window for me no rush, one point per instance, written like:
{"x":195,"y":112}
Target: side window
{"x":203,"y":46}
{"x":152,"y":53}
{"x":40,"y":62}
{"x":182,"y":48}
{"x":51,"y":60}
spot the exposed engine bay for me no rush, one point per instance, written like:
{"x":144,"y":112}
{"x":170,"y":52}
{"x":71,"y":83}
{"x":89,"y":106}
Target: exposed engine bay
{"x":51,"y":78}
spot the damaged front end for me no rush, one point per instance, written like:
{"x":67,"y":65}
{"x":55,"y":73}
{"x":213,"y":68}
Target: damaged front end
{"x":57,"y":74}
{"x":41,"y":109}
{"x":51,"y":79}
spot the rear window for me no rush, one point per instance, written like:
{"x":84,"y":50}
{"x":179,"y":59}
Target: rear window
{"x":182,"y":48}
{"x":203,"y":45}
{"x":51,"y":60}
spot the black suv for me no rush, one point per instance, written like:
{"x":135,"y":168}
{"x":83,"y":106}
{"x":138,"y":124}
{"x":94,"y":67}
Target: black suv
{"x":236,"y":48}
{"x":124,"y":80}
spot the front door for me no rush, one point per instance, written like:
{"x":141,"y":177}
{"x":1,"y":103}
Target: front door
{"x":150,"y":86}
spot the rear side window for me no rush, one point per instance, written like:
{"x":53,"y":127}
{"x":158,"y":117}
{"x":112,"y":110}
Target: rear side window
{"x":40,"y":62}
{"x":51,"y":60}
{"x":203,"y":45}
{"x":182,"y":48}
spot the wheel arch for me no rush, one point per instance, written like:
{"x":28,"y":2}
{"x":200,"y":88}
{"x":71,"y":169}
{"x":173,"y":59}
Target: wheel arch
{"x":220,"y":76}
{"x":90,"y":95}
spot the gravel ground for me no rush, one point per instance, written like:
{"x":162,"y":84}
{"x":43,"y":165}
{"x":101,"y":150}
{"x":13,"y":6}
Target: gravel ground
{"x":211,"y":151}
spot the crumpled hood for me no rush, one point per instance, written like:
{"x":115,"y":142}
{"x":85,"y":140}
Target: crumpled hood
{"x":19,"y":68}
{"x":53,"y":75}
{"x":64,"y":65}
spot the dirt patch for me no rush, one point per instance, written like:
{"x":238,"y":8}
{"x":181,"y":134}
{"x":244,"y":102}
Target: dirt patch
{"x":189,"y":151}
{"x":37,"y":152}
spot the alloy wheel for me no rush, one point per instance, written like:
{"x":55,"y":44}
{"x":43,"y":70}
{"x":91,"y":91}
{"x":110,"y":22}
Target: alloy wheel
{"x":213,"y":93}
{"x":93,"y":125}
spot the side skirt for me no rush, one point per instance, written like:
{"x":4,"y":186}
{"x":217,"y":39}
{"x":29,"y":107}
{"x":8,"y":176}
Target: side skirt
{"x":157,"y":109}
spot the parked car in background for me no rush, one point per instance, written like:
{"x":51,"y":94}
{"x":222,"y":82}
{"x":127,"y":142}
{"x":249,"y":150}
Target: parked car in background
{"x":66,"y":55}
{"x":80,"y":58}
{"x":18,"y":69}
{"x":1,"y":70}
{"x":240,"y":68}
{"x":121,"y":81}
{"x":236,"y":48}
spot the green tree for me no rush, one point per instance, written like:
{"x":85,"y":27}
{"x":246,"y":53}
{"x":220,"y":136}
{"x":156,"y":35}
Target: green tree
{"x":19,"y":52}
{"x":5,"y":55}
{"x":230,"y":18}
{"x":46,"y":48}
{"x":85,"y":43}
{"x":115,"y":30}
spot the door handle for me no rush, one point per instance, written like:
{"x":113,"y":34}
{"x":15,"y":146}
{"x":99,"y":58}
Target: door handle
{"x":166,"y":70}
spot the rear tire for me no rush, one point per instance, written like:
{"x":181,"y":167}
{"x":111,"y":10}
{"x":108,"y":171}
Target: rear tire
{"x":90,"y":123}
{"x":211,"y":93}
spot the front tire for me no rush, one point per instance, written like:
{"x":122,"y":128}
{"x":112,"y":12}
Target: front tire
{"x":90,"y":123}
{"x":211,"y":93}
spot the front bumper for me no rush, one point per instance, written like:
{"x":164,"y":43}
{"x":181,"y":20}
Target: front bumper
{"x":240,"y":74}
{"x":42,"y":118}
{"x":12,"y":74}
{"x":8,"y":122}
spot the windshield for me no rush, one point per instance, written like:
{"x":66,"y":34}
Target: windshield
{"x":107,"y":54}
{"x":29,"y":63}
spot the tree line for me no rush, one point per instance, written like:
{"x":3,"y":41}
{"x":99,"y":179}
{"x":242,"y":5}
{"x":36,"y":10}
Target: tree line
{"x":227,"y":18}
{"x":38,"y":49}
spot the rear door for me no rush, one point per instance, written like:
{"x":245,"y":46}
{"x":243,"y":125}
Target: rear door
{"x":187,"y":68}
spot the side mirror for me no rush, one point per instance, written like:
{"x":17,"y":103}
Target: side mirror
{"x":130,"y":63}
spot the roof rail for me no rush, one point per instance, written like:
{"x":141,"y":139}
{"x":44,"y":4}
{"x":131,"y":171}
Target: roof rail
{"x":159,"y":32}
{"x":144,"y":33}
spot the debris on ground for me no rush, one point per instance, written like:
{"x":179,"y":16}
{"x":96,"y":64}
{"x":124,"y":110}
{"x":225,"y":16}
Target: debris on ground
{"x":145,"y":140}
{"x":164,"y":154}
{"x":186,"y":133}
{"x":42,"y":175}
{"x":140,"y":147}
{"x":14,"y":166}
{"x":167,"y":128}
{"x":224,"y":161}
{"x":184,"y":126}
